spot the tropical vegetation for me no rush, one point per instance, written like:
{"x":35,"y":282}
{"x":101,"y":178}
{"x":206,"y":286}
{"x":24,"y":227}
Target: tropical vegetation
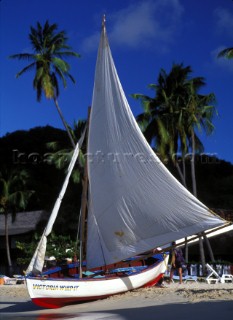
{"x":214,"y":178}
{"x":171,"y":121}
{"x":49,"y":49}
{"x":175,"y":116}
{"x":58,"y":246}
{"x":14,"y":196}
{"x":171,"y":117}
{"x":226,"y":53}
{"x":61,"y":158}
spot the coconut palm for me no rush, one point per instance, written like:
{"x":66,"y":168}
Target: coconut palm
{"x":227,"y":53}
{"x":173,"y":115}
{"x":199,"y":113}
{"x":164,"y":115}
{"x":13,"y":197}
{"x":62,"y":157}
{"x":49,"y":50}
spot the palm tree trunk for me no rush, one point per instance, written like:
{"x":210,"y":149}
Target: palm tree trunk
{"x":183,"y":180}
{"x":186,"y":247}
{"x":186,"y":250}
{"x":7,"y":241}
{"x":201,"y":247}
{"x":193,"y":165}
{"x":180,"y":173}
{"x":212,"y":259}
{"x":64,"y":122}
{"x":184,"y":170}
{"x":202,"y":254}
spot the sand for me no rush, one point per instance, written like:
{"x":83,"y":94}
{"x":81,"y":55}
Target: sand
{"x":186,"y":301}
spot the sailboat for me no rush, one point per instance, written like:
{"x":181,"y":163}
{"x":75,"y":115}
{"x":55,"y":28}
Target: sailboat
{"x":134,"y":204}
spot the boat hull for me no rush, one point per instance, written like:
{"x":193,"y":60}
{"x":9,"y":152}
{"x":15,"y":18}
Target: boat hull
{"x":55,"y":293}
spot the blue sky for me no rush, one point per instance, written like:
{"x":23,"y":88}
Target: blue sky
{"x":144,"y":35}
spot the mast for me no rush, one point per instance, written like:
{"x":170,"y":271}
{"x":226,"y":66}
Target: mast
{"x":103,"y":21}
{"x":84,"y":205}
{"x":135,"y":201}
{"x":84,"y":202}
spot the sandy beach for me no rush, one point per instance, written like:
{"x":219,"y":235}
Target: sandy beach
{"x":186,"y":301}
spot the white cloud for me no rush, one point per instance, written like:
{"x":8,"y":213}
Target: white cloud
{"x":143,"y":24}
{"x":224,"y":21}
{"x":91,"y":43}
{"x":147,"y":22}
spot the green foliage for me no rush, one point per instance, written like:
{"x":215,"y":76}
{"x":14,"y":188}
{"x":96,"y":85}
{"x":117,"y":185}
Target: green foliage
{"x":49,"y":47}
{"x":59,"y":246}
{"x":226,"y":53}
{"x":13,"y":192}
{"x":61,"y":158}
{"x":214,"y":177}
{"x":28,"y":150}
{"x":177,"y":109}
{"x":14,"y":196}
{"x":27,"y":250}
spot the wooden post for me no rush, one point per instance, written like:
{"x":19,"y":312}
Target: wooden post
{"x":84,"y":204}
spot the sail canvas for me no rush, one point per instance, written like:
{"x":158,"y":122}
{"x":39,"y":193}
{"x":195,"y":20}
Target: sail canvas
{"x":135,"y":203}
{"x":37,"y":262}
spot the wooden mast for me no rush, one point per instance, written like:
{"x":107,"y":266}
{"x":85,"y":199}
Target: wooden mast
{"x":84,"y":204}
{"x":84,"y":193}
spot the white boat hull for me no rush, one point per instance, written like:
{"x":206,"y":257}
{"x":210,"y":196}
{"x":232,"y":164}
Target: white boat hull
{"x":55,"y":292}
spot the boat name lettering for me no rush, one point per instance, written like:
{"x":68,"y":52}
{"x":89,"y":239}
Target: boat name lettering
{"x":54,"y":287}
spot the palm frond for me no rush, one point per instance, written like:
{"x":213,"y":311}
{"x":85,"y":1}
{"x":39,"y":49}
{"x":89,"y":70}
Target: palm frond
{"x":60,"y":64}
{"x":25,"y":69}
{"x":227,"y":53}
{"x":67,"y":54}
{"x":22,"y":56}
{"x":53,"y":145}
{"x":71,"y":78}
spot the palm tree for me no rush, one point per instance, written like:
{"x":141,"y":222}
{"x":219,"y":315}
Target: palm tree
{"x":13,"y":197}
{"x":199,"y":112}
{"x":227,"y":53}
{"x":164,"y":115}
{"x":171,"y":117}
{"x":61,"y":158}
{"x":49,"y":49}
{"x":199,"y":115}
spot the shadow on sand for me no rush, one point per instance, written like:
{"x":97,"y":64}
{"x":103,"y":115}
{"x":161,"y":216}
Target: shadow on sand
{"x":11,"y":306}
{"x":222,"y":310}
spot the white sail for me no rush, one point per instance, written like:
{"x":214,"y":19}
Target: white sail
{"x":37,"y":260}
{"x":135,"y":204}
